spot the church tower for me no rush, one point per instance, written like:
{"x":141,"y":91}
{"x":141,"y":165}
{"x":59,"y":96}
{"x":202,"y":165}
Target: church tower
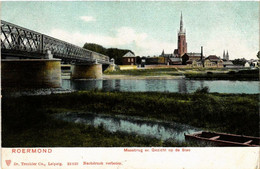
{"x":162,"y":53}
{"x":182,"y":45}
{"x":227,"y":56}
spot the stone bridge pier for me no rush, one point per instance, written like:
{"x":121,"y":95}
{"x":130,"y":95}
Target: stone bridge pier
{"x":31,"y":73}
{"x":86,"y":71}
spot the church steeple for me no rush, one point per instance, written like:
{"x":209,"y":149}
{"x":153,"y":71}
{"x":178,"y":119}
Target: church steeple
{"x":182,"y":44}
{"x":181,"y":25}
{"x":224,"y":55}
{"x":227,"y":56}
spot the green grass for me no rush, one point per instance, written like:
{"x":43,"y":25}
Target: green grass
{"x":194,"y":73}
{"x":146,"y":72}
{"x":26,"y":120}
{"x":26,"y":125}
{"x":231,"y":75}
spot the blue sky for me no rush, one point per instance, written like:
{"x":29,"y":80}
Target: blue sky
{"x":146,"y":28}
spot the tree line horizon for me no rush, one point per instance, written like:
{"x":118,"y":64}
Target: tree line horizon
{"x":117,"y":54}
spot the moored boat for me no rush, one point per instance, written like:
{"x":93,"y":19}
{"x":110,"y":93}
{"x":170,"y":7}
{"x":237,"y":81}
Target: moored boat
{"x":223,"y":139}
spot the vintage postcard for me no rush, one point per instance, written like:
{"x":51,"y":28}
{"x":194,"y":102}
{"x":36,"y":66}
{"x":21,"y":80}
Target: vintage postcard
{"x":130,"y":84}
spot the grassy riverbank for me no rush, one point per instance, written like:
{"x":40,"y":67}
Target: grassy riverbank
{"x":231,"y":75}
{"x":163,"y":71}
{"x":26,"y":120}
{"x":194,"y":73}
{"x":147,"y":72}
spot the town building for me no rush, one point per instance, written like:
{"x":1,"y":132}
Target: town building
{"x":247,"y":65}
{"x":194,"y":59}
{"x":228,"y":64}
{"x":199,"y":60}
{"x":213,"y":61}
{"x":129,"y":59}
{"x":197,"y":63}
{"x":175,"y":61}
{"x":171,"y":59}
{"x":188,"y":58}
{"x":156,"y":60}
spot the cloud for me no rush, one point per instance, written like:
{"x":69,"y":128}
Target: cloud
{"x":125,"y":37}
{"x":143,"y":45}
{"x":87,"y":18}
{"x":223,"y":38}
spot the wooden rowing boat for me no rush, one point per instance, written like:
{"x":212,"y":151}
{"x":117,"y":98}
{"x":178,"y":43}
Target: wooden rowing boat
{"x":223,"y":139}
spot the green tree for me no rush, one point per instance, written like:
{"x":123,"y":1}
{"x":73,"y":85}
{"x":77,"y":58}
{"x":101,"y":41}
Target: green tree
{"x":115,"y":53}
{"x":95,"y":47}
{"x":240,"y":62}
{"x":138,"y":60}
{"x":258,"y":54}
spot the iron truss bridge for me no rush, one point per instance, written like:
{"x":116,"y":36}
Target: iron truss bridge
{"x":20,"y":42}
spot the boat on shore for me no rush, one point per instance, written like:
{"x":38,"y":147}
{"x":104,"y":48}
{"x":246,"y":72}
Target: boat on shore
{"x":223,"y":139}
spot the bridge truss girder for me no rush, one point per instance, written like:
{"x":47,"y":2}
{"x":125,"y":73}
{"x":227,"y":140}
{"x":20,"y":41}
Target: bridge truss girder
{"x":25,"y":43}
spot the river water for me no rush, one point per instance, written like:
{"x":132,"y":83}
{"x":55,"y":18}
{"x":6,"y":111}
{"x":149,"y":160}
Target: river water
{"x":163,"y":85}
{"x":132,"y":125}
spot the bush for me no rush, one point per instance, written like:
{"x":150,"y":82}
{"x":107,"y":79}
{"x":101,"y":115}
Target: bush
{"x":202,"y":90}
{"x":231,"y":72}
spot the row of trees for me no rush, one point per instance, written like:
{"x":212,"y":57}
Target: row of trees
{"x":243,"y":60}
{"x":240,"y":62}
{"x":115,"y":53}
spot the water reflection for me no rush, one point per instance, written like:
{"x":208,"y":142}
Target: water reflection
{"x":159,"y":130}
{"x":165,"y":85}
{"x":182,"y":86}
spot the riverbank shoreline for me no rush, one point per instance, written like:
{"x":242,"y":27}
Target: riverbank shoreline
{"x":132,"y":77}
{"x":142,"y":126}
{"x":18,"y":92}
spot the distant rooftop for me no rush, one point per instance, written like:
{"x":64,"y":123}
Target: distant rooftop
{"x":129,"y":54}
{"x":213,"y":58}
{"x":175,"y":59}
{"x":194,"y":54}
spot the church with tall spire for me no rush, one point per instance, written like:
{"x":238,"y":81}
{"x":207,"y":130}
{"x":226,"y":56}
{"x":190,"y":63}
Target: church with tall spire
{"x":182,"y":44}
{"x":176,"y":56}
{"x":180,"y":56}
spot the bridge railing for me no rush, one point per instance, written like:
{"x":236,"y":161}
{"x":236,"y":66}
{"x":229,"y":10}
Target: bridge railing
{"x":19,"y":39}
